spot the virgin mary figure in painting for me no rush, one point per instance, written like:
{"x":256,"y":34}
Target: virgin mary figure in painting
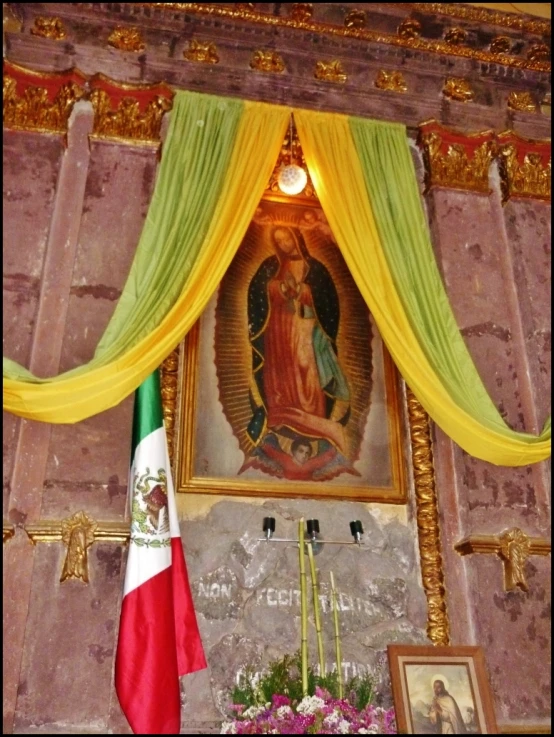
{"x":298,"y":386}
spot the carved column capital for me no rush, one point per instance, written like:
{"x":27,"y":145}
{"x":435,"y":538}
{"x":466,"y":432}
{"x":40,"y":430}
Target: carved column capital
{"x":37,"y":101}
{"x":128,"y":113}
{"x":525,"y":167}
{"x":456,"y":160}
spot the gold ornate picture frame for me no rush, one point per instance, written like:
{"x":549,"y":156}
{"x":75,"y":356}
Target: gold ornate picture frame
{"x":231,"y":439}
{"x":441,"y":690}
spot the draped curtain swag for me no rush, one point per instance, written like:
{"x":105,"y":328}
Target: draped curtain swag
{"x":217,"y":160}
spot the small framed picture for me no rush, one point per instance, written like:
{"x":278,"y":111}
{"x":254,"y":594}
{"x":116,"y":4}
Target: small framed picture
{"x":441,"y":690}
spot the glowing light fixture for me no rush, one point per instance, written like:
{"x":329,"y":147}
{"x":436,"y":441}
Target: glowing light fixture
{"x":292,"y":178}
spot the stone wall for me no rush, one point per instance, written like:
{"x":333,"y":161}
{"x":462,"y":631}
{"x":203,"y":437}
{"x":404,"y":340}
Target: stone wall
{"x":72,"y":217}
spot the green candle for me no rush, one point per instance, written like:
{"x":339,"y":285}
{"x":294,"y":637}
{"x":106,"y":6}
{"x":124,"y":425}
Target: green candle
{"x":303,"y":610}
{"x":337,"y":637}
{"x":317,"y":618}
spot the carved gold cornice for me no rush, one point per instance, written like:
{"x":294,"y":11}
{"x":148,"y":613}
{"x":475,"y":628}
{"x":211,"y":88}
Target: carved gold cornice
{"x":331,"y":71}
{"x":365,"y":34}
{"x":170,"y":390}
{"x":522,"y":102}
{"x":128,"y":113}
{"x":525,"y":167}
{"x":37,"y":101}
{"x":204,"y":52}
{"x":78,"y":533}
{"x":456,"y":160}
{"x":267,"y":61}
{"x":8,"y":531}
{"x":458,"y":89}
{"x":513,"y":547}
{"x":393,"y":81}
{"x":49,"y":28}
{"x":126,"y":39}
{"x":428,"y":522}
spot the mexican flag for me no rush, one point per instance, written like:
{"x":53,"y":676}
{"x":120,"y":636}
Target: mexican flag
{"x":158,"y":635}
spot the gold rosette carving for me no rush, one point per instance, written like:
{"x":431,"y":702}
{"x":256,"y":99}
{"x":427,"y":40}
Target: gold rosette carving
{"x":331,"y":71}
{"x":301,"y":11}
{"x":393,"y":81}
{"x":267,"y":61}
{"x":204,"y":52}
{"x":458,"y":89}
{"x":126,"y":39}
{"x":49,"y":28}
{"x":522,"y":102}
{"x":455,"y":36}
{"x":428,"y":522}
{"x":355,"y":19}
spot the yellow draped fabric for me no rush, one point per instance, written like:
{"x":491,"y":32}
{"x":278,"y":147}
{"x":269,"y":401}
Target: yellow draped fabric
{"x":80,"y":395}
{"x":337,"y":174}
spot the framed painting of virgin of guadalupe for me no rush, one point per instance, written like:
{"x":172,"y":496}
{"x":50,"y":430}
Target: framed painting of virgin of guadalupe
{"x":287,"y":389}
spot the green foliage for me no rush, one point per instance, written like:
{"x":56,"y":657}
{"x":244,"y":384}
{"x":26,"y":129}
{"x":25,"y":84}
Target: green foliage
{"x":284,"y":677}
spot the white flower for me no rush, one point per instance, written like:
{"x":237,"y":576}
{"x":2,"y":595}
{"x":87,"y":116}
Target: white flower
{"x":332,"y":719}
{"x":284,"y":711}
{"x":373,"y":729}
{"x":253,"y":711}
{"x":344,"y":726}
{"x":228,"y":728}
{"x":310,"y":704}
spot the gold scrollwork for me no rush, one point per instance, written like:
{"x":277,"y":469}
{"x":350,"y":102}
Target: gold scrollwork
{"x":458,"y":89}
{"x":393,"y":81}
{"x":49,"y":28}
{"x":409,"y":28}
{"x":530,"y":178}
{"x":522,"y":101}
{"x":452,"y":166}
{"x":201,"y":51}
{"x":291,"y":153}
{"x":428,"y":522}
{"x":126,"y":39}
{"x":301,"y":11}
{"x":455,"y":36}
{"x":169,"y":389}
{"x":77,"y":535}
{"x":513,"y":547}
{"x":8,"y":531}
{"x":355,"y":19}
{"x":127,"y":122}
{"x":267,"y":61}
{"x":34,"y":111}
{"x":539,"y":52}
{"x":331,"y":71}
{"x":501,"y":45}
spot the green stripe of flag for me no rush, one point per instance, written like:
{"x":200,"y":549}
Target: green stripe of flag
{"x":148,"y":415}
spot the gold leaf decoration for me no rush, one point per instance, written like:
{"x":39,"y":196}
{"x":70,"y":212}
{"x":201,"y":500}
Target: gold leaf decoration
{"x":522,"y":101}
{"x":393,"y":81}
{"x":539,"y":52}
{"x":525,"y":167}
{"x":455,"y":36}
{"x":126,"y":121}
{"x":501,"y":45}
{"x":169,"y":391}
{"x":267,"y":61}
{"x":77,"y":535}
{"x":126,"y":39}
{"x":48,"y":28}
{"x":301,"y":11}
{"x":515,"y":547}
{"x":203,"y":52}
{"x":331,"y":71}
{"x":355,"y":19}
{"x":458,"y":89}
{"x":409,"y":28}
{"x":33,"y":110}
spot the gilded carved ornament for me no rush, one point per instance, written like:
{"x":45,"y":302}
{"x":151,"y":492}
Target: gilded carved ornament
{"x":290,"y":153}
{"x":355,"y":19}
{"x":331,"y":71}
{"x":126,"y":39}
{"x":501,"y":45}
{"x":455,"y":36}
{"x":393,"y":81}
{"x":455,"y":160}
{"x":169,"y":377}
{"x":8,"y":531}
{"x":522,"y":102}
{"x":301,"y":11}
{"x":49,"y":28}
{"x":539,"y":52}
{"x":428,"y":523}
{"x":409,"y":28}
{"x":458,"y":89}
{"x":525,"y":167}
{"x":267,"y":61}
{"x":78,"y":533}
{"x":407,"y":40}
{"x":513,"y":547}
{"x":39,"y":101}
{"x":201,"y":51}
{"x":128,"y":113}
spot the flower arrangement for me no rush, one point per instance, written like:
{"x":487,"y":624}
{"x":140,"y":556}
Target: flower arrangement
{"x":274,"y":704}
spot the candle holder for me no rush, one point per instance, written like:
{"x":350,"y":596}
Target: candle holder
{"x":312,"y":535}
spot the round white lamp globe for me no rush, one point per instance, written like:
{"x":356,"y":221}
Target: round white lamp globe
{"x":292,"y":179}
